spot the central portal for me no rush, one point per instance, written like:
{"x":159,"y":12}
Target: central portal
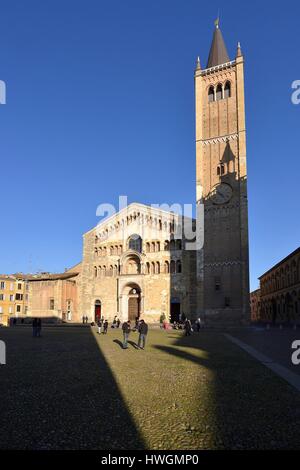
{"x":134,"y":304}
{"x":131,"y":306}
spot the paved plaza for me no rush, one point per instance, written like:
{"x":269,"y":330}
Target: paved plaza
{"x":74,"y":389}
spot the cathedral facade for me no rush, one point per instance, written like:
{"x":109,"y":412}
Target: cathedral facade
{"x":135,"y":264}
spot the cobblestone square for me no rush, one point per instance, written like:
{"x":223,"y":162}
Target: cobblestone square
{"x":75,"y":389}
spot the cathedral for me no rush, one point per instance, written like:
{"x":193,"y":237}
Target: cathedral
{"x":140,"y":262}
{"x":136,"y":263}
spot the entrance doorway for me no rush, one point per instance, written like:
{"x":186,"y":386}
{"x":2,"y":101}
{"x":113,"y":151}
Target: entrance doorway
{"x":98,"y":312}
{"x":175,"y":311}
{"x":134,"y":304}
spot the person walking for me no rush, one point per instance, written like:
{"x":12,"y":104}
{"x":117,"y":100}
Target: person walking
{"x":99,"y":324}
{"x":188,"y":327}
{"x":86,"y":319}
{"x":34,"y":327}
{"x":105,"y":327}
{"x":126,"y":331}
{"x":143,"y":331}
{"x":118,"y":322}
{"x":39,"y":327}
{"x":198,"y":324}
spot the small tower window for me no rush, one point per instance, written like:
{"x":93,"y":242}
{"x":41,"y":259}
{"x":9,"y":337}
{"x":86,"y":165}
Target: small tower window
{"x":211,"y":94}
{"x":221,"y":169}
{"x":227,"y":90}
{"x":219,"y":92}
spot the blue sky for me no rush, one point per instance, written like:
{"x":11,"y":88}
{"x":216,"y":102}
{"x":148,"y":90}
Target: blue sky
{"x":100,"y":102}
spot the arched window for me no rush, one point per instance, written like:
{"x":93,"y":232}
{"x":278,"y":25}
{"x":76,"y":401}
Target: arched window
{"x":157,"y":268}
{"x":111,"y":250}
{"x":135,"y":243}
{"x":227,"y":90}
{"x":147,"y":247}
{"x":157,"y":246}
{"x":172,"y":267}
{"x":211,"y":94}
{"x":152,"y":247}
{"x":167,"y":267}
{"x":219,"y":92}
{"x":95,"y":271}
{"x":178,"y":244}
{"x":167,"y":245}
{"x":172,"y":245}
{"x":178,"y":266}
{"x":147,"y":268}
{"x":152,"y":268}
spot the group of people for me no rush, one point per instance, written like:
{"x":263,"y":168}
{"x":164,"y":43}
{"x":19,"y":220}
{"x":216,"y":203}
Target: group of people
{"x":188,"y":326}
{"x":103,"y":324}
{"x":36,"y":327}
{"x":140,"y":326}
{"x":85,"y":319}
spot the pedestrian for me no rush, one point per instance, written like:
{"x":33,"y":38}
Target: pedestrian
{"x":118,"y":323}
{"x":34,"y":327}
{"x":198,"y":324}
{"x":86,"y":319}
{"x":83,"y":319}
{"x":161,"y":320}
{"x":188,"y":327}
{"x":39,"y":327}
{"x":126,"y":331}
{"x":99,"y":324}
{"x":114,"y":323}
{"x":143,"y":331}
{"x":105,"y":327}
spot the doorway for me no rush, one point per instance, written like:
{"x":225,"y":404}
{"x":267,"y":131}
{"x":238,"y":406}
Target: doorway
{"x":175,"y":311}
{"x":98,"y":311}
{"x":134,"y":304}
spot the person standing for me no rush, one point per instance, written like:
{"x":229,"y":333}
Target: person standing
{"x":39,"y":327}
{"x":99,"y":323}
{"x":126,"y":331}
{"x":188,"y":327}
{"x":143,"y":331}
{"x":34,"y":327}
{"x":198,"y":324}
{"x":105,"y":327}
{"x":86,"y":319}
{"x":118,"y":323}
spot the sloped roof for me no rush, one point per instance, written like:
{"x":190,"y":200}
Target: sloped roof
{"x":218,"y":53}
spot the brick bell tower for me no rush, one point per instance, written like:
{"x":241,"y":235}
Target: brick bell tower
{"x":221,"y":187}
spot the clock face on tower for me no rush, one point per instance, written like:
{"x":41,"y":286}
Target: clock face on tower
{"x":221,"y":193}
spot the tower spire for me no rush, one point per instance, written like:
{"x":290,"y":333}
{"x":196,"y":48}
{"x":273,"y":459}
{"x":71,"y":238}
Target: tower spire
{"x":239,"y":50}
{"x":218,"y":53}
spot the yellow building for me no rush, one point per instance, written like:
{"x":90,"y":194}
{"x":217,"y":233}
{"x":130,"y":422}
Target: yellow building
{"x":7,"y":298}
{"x":13,"y":298}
